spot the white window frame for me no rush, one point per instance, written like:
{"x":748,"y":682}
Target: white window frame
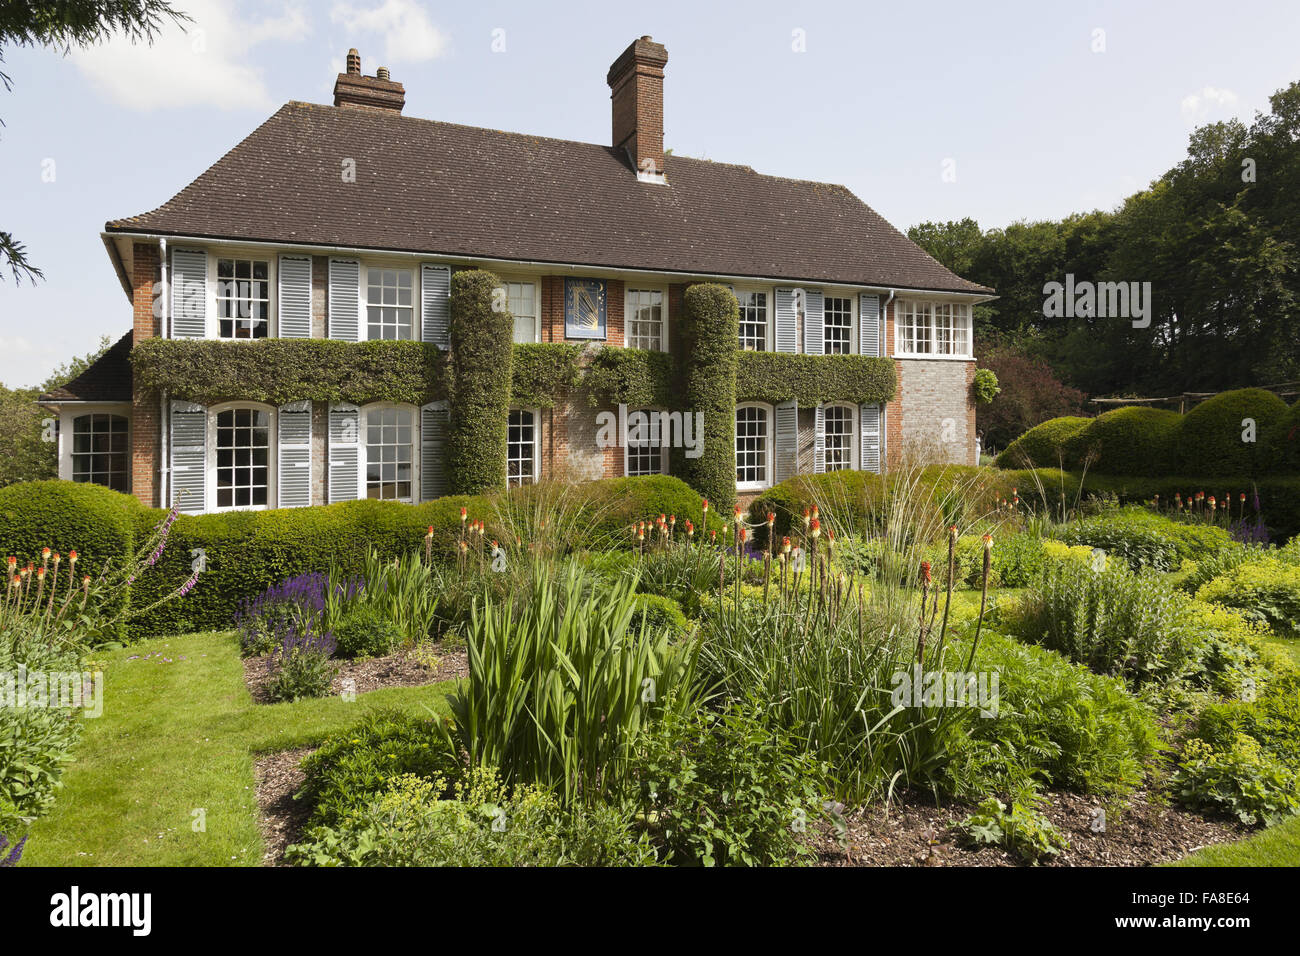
{"x":934,"y":305}
{"x":363,"y":455}
{"x":212,"y":324}
{"x":66,"y":415}
{"x":272,"y":449}
{"x":628,"y":293}
{"x":769,"y":463}
{"x":851,"y":298}
{"x":363,"y":319}
{"x":663,"y":443}
{"x":537,"y":446}
{"x":506,"y":283}
{"x":769,"y":332}
{"x":853,"y":435}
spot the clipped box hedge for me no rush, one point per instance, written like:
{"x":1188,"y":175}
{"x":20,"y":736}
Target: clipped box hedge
{"x":1043,"y":446}
{"x":1210,"y":441}
{"x":1126,"y":441}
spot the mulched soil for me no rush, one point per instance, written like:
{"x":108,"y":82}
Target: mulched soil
{"x":278,"y":778}
{"x":400,"y":669}
{"x":915,"y":832}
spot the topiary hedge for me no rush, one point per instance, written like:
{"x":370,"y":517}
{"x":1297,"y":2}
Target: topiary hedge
{"x":481,"y":374}
{"x":542,"y":371}
{"x":637,"y":378}
{"x":813,"y":379}
{"x":1043,"y":446}
{"x":289,"y":370}
{"x":708,"y":331}
{"x":1126,"y":441}
{"x":1210,"y":438}
{"x":1286,"y":442}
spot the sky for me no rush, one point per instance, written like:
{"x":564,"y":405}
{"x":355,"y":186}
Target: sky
{"x":1001,"y":111}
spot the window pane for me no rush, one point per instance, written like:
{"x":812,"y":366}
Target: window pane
{"x":521,"y":449}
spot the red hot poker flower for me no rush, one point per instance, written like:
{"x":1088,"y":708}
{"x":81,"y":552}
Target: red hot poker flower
{"x":925,"y":571}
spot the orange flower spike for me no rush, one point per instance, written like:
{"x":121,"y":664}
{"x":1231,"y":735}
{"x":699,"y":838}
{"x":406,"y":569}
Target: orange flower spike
{"x":807,"y":516}
{"x":57,"y":558}
{"x":816,"y":528}
{"x":713,"y":535}
{"x":785,"y":545}
{"x":45,"y":555}
{"x":771,"y":518}
{"x":429,"y":534}
{"x":72,"y":558}
{"x":17,"y":581}
{"x":744,"y":534}
{"x":815,"y":512}
{"x":925,"y":572}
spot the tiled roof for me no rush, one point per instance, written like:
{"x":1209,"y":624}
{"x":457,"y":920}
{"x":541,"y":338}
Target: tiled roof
{"x":107,"y":379}
{"x":438,"y":188}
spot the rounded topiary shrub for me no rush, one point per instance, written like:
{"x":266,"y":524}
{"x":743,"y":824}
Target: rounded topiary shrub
{"x":1286,"y":442}
{"x":364,"y":631}
{"x":1213,"y":438}
{"x":1043,"y":446}
{"x":1126,"y":441}
{"x":707,"y":334}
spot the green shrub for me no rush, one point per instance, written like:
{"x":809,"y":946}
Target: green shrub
{"x":614,"y":504}
{"x":813,"y":379}
{"x":481,"y":357}
{"x":1043,"y":446}
{"x":1021,"y":830}
{"x":984,"y":386}
{"x":1240,"y":780}
{"x":1285,"y":441}
{"x":1145,"y":539}
{"x":637,"y":378}
{"x":353,"y":766}
{"x":1266,"y":589}
{"x":1127,"y":441}
{"x":301,"y":672}
{"x":1211,"y":566}
{"x":365,"y":631}
{"x":724,"y":790}
{"x":707,"y":332}
{"x":1210,"y":436}
{"x":540,"y":372}
{"x":657,"y":613}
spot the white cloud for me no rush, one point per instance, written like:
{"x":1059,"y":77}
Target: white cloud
{"x":206,"y":64}
{"x":1208,"y":105}
{"x":408,"y":33}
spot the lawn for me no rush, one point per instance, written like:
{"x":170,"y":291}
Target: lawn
{"x":180,"y":733}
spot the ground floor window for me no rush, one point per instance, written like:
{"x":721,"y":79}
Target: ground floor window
{"x":753,"y":445}
{"x":647,"y":458}
{"x":521,"y":448}
{"x":99,"y":450}
{"x":243,"y":458}
{"x":389,"y":453}
{"x":838,"y":423}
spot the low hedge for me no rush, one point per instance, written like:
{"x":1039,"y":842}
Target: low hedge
{"x":1043,"y":446}
{"x":1210,"y":435}
{"x":1126,"y":441}
{"x":542,"y":371}
{"x":1286,"y":441}
{"x":637,"y":378}
{"x":814,"y":379}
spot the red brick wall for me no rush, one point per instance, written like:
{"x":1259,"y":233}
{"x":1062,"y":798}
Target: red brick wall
{"x":145,"y":440}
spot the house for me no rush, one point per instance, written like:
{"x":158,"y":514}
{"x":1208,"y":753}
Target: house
{"x":345,"y":223}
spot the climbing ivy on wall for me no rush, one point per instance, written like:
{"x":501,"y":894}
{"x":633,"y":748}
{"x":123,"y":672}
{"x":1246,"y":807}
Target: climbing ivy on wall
{"x":479,"y":403}
{"x":707,"y":335}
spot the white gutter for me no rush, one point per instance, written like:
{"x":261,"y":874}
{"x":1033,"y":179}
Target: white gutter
{"x":534,"y":263}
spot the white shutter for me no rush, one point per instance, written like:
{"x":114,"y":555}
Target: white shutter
{"x":189,"y":280}
{"x":819,"y":441}
{"x":293,"y":455}
{"x":814,"y":322}
{"x":345,"y":300}
{"x":869,"y":324}
{"x":869,"y":419}
{"x":435,"y":304}
{"x":787,"y":333}
{"x":294,"y":299}
{"x":344,"y":453}
{"x":189,"y":457}
{"x":433,"y":443}
{"x":787,"y":440}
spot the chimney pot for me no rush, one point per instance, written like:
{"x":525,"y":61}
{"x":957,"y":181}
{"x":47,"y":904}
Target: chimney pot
{"x":354,"y":62}
{"x":371,"y":92}
{"x":381,"y":73}
{"x":636,"y":83}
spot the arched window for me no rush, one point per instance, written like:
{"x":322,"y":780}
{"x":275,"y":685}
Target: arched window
{"x":389,"y":435}
{"x":838,"y":422}
{"x":242,"y":445}
{"x":521,"y":448}
{"x":99,"y":450}
{"x":754,"y":443}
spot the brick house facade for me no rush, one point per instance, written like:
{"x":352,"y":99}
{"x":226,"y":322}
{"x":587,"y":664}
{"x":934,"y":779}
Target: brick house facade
{"x":348,"y":222}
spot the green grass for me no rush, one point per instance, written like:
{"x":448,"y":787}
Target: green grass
{"x":1279,"y":845}
{"x":176,"y":737}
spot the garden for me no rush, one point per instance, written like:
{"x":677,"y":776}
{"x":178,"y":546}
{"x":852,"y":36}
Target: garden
{"x":943,"y":666}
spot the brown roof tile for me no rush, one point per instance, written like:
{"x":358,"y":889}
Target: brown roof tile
{"x":438,"y":188}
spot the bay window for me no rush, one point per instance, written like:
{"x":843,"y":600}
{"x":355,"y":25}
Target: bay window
{"x":933,"y":328}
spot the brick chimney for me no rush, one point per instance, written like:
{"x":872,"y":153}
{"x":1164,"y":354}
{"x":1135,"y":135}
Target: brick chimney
{"x":371,"y":92}
{"x":636,"y":82}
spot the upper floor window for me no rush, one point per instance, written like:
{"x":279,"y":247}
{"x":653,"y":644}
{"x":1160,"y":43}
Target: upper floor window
{"x":243,"y":446}
{"x":389,"y":309}
{"x":243,"y":298}
{"x":933,"y":328}
{"x":99,"y":450}
{"x":838,"y":325}
{"x":753,"y":320}
{"x":390,"y":433}
{"x":521,"y":300}
{"x":645,"y":319}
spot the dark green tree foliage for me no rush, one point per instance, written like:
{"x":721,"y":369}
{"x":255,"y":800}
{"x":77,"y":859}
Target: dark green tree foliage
{"x":707,"y":334}
{"x":481,"y":353}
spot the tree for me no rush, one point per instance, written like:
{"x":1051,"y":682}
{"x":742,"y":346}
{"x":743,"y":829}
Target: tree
{"x":63,"y":24}
{"x":1030,"y":394}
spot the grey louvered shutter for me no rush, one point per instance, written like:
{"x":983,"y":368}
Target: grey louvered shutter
{"x":189,"y":457}
{"x":787,"y":332}
{"x":869,"y":324}
{"x":189,"y":282}
{"x":819,"y":441}
{"x":787,"y":440}
{"x":869,"y":422}
{"x":294,"y":299}
{"x":435,"y":304}
{"x":344,"y":453}
{"x":294,"y":455}
{"x":814,"y":322}
{"x":433,"y":441}
{"x":345,"y":300}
